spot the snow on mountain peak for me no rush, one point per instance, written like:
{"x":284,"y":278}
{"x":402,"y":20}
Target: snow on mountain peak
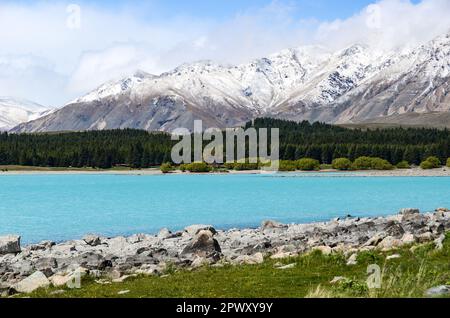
{"x":14,"y":111}
{"x":307,"y":75}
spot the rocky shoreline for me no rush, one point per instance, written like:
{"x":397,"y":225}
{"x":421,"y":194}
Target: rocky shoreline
{"x":413,"y":172}
{"x":24,"y":269}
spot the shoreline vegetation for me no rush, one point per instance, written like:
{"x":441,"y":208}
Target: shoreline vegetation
{"x":331,"y":259}
{"x":142,"y":149}
{"x":412,"y":172}
{"x":443,"y":171}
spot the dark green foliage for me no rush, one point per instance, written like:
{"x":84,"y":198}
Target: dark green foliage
{"x":166,"y":168}
{"x":241,"y":166}
{"x":367,"y":163}
{"x":140,"y":149}
{"x":287,"y":166}
{"x":362,"y":163}
{"x":403,"y":165}
{"x":326,"y":142}
{"x":431,"y":163}
{"x":342,"y":164}
{"x":198,"y":167}
{"x":308,"y":164}
{"x":99,"y":149}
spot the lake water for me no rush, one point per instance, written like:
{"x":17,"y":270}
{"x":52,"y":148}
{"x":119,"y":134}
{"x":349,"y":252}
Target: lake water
{"x":61,"y":207}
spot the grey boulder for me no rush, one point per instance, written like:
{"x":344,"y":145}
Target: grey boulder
{"x":32,"y":283}
{"x":204,"y":245}
{"x":9,"y":244}
{"x":195,"y":229}
{"x":92,"y":240}
{"x":438,"y":291}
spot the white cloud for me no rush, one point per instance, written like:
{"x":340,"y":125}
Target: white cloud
{"x":389,"y":24}
{"x":42,"y":59}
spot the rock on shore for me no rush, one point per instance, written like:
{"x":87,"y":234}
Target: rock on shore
{"x":39,"y":265}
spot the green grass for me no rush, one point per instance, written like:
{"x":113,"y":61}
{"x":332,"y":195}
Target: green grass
{"x":409,"y":276}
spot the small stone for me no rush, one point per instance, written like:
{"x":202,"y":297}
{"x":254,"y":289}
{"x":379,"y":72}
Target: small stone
{"x":199,"y":262}
{"x":283,"y":255}
{"x":9,"y":244}
{"x":258,"y":258}
{"x":195,"y":229}
{"x":408,"y":238}
{"x":395,"y":256}
{"x":438,"y":291}
{"x":60,"y":280}
{"x":352,"y":260}
{"x":337,"y":279}
{"x":44,"y":245}
{"x":121,"y":279}
{"x":123,"y":292}
{"x":425,"y":237}
{"x":375,"y":240}
{"x":57,"y":292}
{"x":114,"y":274}
{"x":103,"y":282}
{"x":409,"y":211}
{"x":270,"y":224}
{"x":164,"y":234}
{"x":31,"y":283}
{"x":409,"y":215}
{"x":439,"y":242}
{"x":92,"y":240}
{"x":290,"y":266}
{"x":389,"y":243}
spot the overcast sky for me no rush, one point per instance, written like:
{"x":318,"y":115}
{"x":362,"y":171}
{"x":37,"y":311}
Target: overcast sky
{"x":54,"y":51}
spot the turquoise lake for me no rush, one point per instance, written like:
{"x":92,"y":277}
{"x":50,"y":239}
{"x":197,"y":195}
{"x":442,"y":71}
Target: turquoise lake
{"x":62,"y":207}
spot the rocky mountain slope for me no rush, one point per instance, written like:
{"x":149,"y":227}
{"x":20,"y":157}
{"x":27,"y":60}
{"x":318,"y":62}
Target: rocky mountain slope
{"x":15,"y":111}
{"x":308,"y":83}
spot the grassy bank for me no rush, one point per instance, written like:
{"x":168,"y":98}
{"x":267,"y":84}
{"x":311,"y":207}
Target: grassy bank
{"x":416,"y":270}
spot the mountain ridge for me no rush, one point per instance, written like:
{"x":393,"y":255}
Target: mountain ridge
{"x":307,"y":83}
{"x":14,"y":111}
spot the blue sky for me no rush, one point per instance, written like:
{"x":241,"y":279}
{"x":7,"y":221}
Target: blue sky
{"x":319,"y":9}
{"x":224,"y":9}
{"x":45,"y":59}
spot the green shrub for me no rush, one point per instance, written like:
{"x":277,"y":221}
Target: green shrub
{"x":381,"y":164}
{"x":367,"y":163}
{"x":342,"y":164}
{"x":431,"y":163}
{"x":308,"y":164}
{"x":362,"y":163}
{"x":229,"y":165}
{"x":403,"y":165}
{"x":166,"y":167}
{"x":198,"y":167}
{"x":325,"y":166}
{"x":352,"y":287}
{"x":245,"y":166}
{"x":426,"y":165}
{"x":286,"y":165}
{"x":448,"y":162}
{"x":435,"y":161}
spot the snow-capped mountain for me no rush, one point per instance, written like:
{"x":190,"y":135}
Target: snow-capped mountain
{"x":15,"y":111}
{"x":307,"y":83}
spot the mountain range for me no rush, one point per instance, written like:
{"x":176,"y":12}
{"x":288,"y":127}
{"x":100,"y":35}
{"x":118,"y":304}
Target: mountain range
{"x":355,"y":85}
{"x":14,"y":111}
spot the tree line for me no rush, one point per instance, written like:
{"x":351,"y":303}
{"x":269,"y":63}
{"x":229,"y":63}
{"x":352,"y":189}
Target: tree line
{"x":142,"y":149}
